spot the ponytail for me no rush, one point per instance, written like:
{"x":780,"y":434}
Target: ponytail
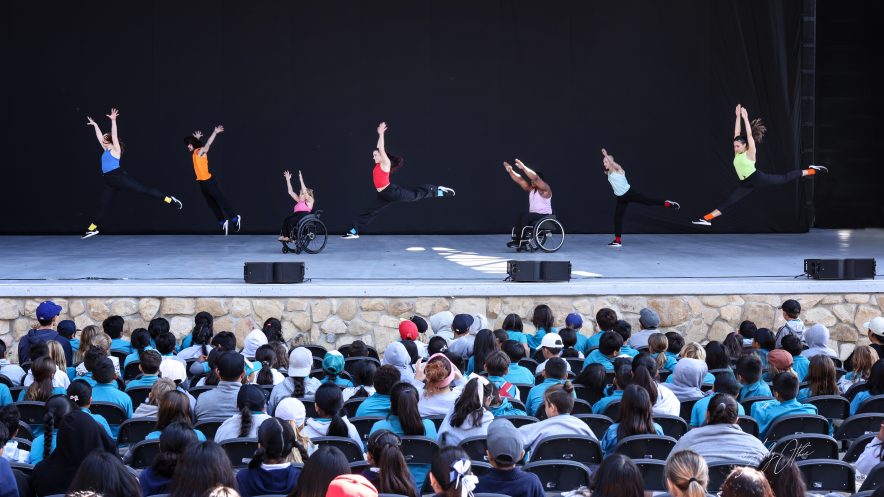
{"x":245,"y":422}
{"x":48,"y":428}
{"x":687,"y":471}
{"x":329,"y":401}
{"x":384,"y":448}
{"x":276,"y":440}
{"x":758,"y":129}
{"x":661,"y":360}
{"x":723,"y":409}
{"x":56,"y":409}
{"x":265,"y":375}
{"x":298,"y":389}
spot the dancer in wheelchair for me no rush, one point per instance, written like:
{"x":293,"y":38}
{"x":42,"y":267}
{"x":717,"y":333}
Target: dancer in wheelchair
{"x":387,"y":192}
{"x":625,"y":195}
{"x":539,"y":198}
{"x":303,"y":205}
{"x":224,"y":212}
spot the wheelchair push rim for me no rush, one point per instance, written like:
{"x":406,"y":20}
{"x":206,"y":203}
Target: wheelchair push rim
{"x":549,"y":235}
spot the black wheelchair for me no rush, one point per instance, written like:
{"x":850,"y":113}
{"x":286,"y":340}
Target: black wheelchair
{"x":309,"y":235}
{"x":546,"y":234}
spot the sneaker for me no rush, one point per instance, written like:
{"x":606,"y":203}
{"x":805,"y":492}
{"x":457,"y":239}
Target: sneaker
{"x":89,"y":233}
{"x":283,"y":238}
{"x":615,"y":243}
{"x":444,"y":191}
{"x":702,"y":222}
{"x":821,"y":169}
{"x":674,"y":205}
{"x":224,"y":226}
{"x":350,"y":235}
{"x":176,"y":202}
{"x":238,"y":221}
{"x":513,"y":243}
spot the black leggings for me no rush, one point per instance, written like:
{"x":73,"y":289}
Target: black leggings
{"x":117,"y":180}
{"x":389,"y":195}
{"x":216,"y":200}
{"x":526,"y":219}
{"x":623,"y":202}
{"x":291,"y":222}
{"x":758,"y":179}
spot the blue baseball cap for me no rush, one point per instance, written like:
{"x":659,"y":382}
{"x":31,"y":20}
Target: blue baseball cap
{"x":333,"y":362}
{"x":48,"y":310}
{"x":574,"y":320}
{"x":66,"y":328}
{"x":462,"y":323}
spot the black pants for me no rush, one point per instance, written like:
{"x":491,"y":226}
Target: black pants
{"x":755,"y":180}
{"x":525,"y":219}
{"x":117,"y":180}
{"x":291,"y":222}
{"x":623,"y":202}
{"x":216,"y":200}
{"x":389,"y":195}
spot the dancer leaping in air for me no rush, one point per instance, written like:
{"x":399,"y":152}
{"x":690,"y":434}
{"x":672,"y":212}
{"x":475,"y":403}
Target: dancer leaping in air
{"x":387,"y":192}
{"x":625,"y":195}
{"x":744,"y":163}
{"x":224,"y":212}
{"x":115,"y":178}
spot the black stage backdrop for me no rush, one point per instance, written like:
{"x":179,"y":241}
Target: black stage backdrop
{"x":463,"y":85}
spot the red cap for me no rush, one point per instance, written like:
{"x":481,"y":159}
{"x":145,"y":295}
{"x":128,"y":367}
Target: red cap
{"x":351,"y":486}
{"x":408,"y":330}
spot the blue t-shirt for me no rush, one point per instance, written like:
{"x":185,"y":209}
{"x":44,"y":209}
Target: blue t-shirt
{"x":609,"y":441}
{"x":155,"y":435}
{"x":103,"y":422}
{"x":535,"y":396}
{"x":801,"y":365}
{"x":392,"y":423}
{"x":517,"y":336}
{"x":768,"y":411}
{"x":758,"y":389}
{"x":341,"y":382}
{"x":596,"y":357}
{"x":145,"y":381}
{"x":519,"y":374}
{"x":37,"y":447}
{"x":22,"y":394}
{"x":600,"y":406}
{"x":670,"y":363}
{"x":5,"y":395}
{"x":108,"y":392}
{"x":134,"y":356}
{"x":857,"y":401}
{"x":375,"y":405}
{"x":534,"y":341}
{"x":121,"y":345}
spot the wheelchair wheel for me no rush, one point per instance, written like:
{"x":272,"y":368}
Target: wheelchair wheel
{"x":312,"y":236}
{"x":549,"y":235}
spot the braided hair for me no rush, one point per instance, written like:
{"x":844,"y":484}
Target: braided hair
{"x":56,"y":408}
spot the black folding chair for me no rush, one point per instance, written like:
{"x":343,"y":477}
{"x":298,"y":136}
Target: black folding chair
{"x":436,"y":419}
{"x":518,"y":421}
{"x":874,"y":480}
{"x":4,"y":380}
{"x":143,"y":453}
{"x":673,"y":426}
{"x":345,"y":350}
{"x":797,"y":424}
{"x":686,"y":409}
{"x":241,"y":450}
{"x":135,"y":430}
{"x":350,"y":363}
{"x":24,"y":431}
{"x":612,"y":410}
{"x":209,"y":426}
{"x":132,"y":370}
{"x":830,"y":406}
{"x":138,"y":395}
{"x":646,"y":446}
{"x":317,"y":350}
{"x":31,"y":412}
{"x":568,"y":448}
{"x":823,"y":475}
{"x":197,"y":391}
{"x":347,"y":445}
{"x":747,"y":402}
{"x":858,"y":425}
{"x":531,"y":364}
{"x":723,"y":371}
{"x":518,"y":404}
{"x":598,"y":423}
{"x":560,"y":476}
{"x":23,"y":443}
{"x":418,"y":450}
{"x":803,"y":446}
{"x":581,"y":407}
{"x":113,"y":413}
{"x":479,"y":469}
{"x":351,"y":405}
{"x":873,"y":404}
{"x":589,"y":395}
{"x":718,"y":473}
{"x":857,"y":447}
{"x":363,"y":425}
{"x":855,"y":389}
{"x":652,"y":474}
{"x":27,"y":469}
{"x":475,"y":447}
{"x":576,"y":364}
{"x":120,"y":355}
{"x":748,"y":425}
{"x":524,"y":389}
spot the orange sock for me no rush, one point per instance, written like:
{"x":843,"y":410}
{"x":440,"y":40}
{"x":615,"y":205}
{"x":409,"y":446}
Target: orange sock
{"x":709,"y":217}
{"x":809,"y":172}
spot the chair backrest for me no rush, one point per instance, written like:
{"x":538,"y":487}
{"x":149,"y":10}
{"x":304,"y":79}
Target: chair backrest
{"x":800,"y":447}
{"x":673,"y":426}
{"x":874,"y":480}
{"x":344,"y":349}
{"x":722,"y":371}
{"x":351,"y":405}
{"x":209,"y":426}
{"x":350,"y":363}
{"x":581,"y":407}
{"x":873,"y":404}
{"x":347,"y":445}
{"x":475,"y":448}
{"x":855,"y":389}
{"x":823,"y":475}
{"x":718,"y":473}
{"x":120,"y":355}
{"x":16,"y":391}
{"x":132,"y":370}
{"x":612,"y":410}
{"x":531,"y":364}
{"x":664,"y":374}
{"x":748,"y":425}
{"x":652,"y":474}
{"x":240,"y":450}
{"x":135,"y":430}
{"x":23,"y":443}
{"x":687,"y":407}
{"x":747,"y":402}
{"x":418,"y":450}
{"x":588,"y":394}
{"x":197,"y":391}
{"x":568,"y":448}
{"x":518,"y":421}
{"x":4,"y":380}
{"x":830,"y":406}
{"x":858,"y":425}
{"x":598,"y":423}
{"x":576,"y":364}
{"x":560,"y":476}
{"x":524,"y":389}
{"x":113,"y":413}
{"x":478,"y":468}
{"x":857,"y":447}
{"x":24,"y":431}
{"x":317,"y":350}
{"x":138,"y":395}
{"x":27,"y":469}
{"x":797,"y":424}
{"x":143,"y":453}
{"x":646,"y":446}
{"x":31,"y":411}
{"x":363,"y":424}
{"x":436,"y":419}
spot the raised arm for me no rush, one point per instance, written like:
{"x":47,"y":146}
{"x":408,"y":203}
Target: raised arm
{"x":737,"y":123}
{"x":98,"y":134}
{"x":115,"y":140}
{"x":301,"y":179}
{"x":208,"y":145}
{"x":536,"y":181}
{"x":750,"y":140}
{"x":288,"y":183}
{"x":517,"y":177}
{"x":385,"y":161}
{"x":610,"y":162}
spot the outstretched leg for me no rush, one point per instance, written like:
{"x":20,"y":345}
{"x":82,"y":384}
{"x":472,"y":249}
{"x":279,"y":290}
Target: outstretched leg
{"x":367,"y":216}
{"x":210,"y":200}
{"x":758,"y":179}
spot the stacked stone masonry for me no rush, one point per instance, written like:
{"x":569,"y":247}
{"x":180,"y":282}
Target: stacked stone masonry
{"x":333,"y":322}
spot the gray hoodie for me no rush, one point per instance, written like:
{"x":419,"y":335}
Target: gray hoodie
{"x":792,"y":327}
{"x":722,"y":442}
{"x":441,"y":324}
{"x":452,"y":435}
{"x":397,"y":356}
{"x":563,"y":424}
{"x":817,"y":337}
{"x":687,"y":378}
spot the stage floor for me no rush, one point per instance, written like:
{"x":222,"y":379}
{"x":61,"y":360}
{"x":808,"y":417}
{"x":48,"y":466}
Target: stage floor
{"x":428,"y":265}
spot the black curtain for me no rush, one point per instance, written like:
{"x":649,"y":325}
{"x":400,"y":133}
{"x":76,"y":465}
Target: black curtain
{"x":463,"y":86}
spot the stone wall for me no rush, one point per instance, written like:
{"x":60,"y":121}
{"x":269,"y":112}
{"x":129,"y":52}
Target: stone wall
{"x":339,"y":321}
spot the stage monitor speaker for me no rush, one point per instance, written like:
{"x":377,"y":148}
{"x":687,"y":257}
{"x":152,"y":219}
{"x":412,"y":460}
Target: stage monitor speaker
{"x":258,"y":272}
{"x":288,"y":272}
{"x":840,"y":269}
{"x":528,"y":271}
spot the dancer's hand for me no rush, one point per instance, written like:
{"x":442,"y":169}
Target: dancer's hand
{"x":114,"y":114}
{"x":90,"y":121}
{"x":300,"y":176}
{"x":198,"y":134}
{"x":743,"y":113}
{"x":287,"y":174}
{"x":508,"y":167}
{"x":737,"y":110}
{"x":219,"y":129}
{"x":382,"y":128}
{"x":520,"y":164}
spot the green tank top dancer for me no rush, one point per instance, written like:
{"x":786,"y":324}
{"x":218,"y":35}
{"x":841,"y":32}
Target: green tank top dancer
{"x":744,"y":165}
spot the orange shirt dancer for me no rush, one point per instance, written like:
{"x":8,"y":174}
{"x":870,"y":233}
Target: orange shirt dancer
{"x":222,"y":209}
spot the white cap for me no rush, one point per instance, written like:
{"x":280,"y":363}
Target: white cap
{"x":300,"y":362}
{"x":876,"y":326}
{"x":254,"y":339}
{"x":291,"y":409}
{"x":552,"y":341}
{"x":173,"y":369}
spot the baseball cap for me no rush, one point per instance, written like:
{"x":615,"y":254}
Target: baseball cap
{"x":230,"y":365}
{"x":649,"y":318}
{"x":504,"y":441}
{"x":780,"y":359}
{"x":66,"y":328}
{"x":291,"y":409}
{"x":462,"y":323}
{"x":408,"y":330}
{"x":300,"y":362}
{"x":333,"y":362}
{"x":791,"y":307}
{"x":48,"y":310}
{"x":876,"y":326}
{"x":173,"y":369}
{"x":552,"y":341}
{"x":574,"y":320}
{"x":351,"y":486}
{"x":420,"y":322}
